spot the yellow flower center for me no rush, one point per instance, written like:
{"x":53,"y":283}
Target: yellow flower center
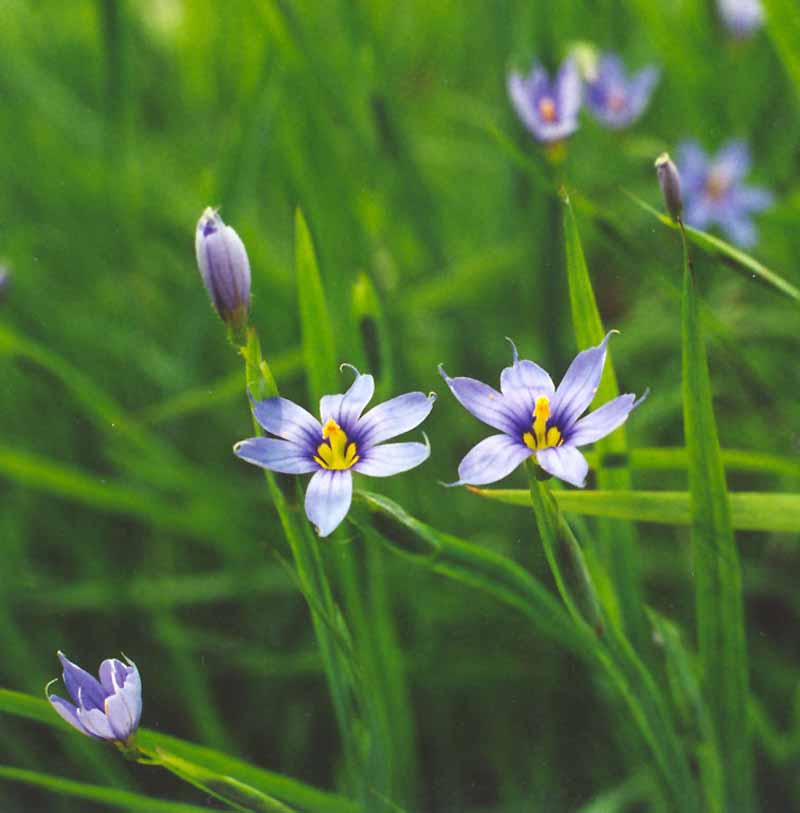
{"x":542,"y":437}
{"x":717,"y":184}
{"x":547,"y":108}
{"x":335,"y":452}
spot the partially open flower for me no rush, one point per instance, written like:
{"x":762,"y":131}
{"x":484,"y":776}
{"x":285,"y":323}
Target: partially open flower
{"x":549,"y":109}
{"x":106,"y":709}
{"x":537,"y":420}
{"x":225,"y":268}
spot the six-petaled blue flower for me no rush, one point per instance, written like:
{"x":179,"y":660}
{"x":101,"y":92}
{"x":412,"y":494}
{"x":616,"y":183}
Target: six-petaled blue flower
{"x":343,"y":442}
{"x":615,"y":99}
{"x":107,"y":709}
{"x":713,"y":192}
{"x":549,"y":109}
{"x":536,"y":419}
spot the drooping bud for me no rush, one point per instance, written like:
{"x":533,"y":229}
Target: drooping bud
{"x":225,"y":268}
{"x":670,"y":182}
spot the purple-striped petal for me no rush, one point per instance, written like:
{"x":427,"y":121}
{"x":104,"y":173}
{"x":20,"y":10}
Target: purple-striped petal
{"x":346,"y":409}
{"x":276,"y":455}
{"x":485,"y":403}
{"x":289,"y":421}
{"x":392,"y":458}
{"x":68,"y":712}
{"x":491,"y":460}
{"x":523,"y":383}
{"x":564,"y":462}
{"x":328,"y":499}
{"x":84,"y":689}
{"x":579,"y":385}
{"x":393,"y":418}
{"x":603,"y":421}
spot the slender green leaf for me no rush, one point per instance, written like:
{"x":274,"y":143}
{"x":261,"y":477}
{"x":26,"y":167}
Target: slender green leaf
{"x":783,"y":26}
{"x":118,"y":799}
{"x":718,"y":581}
{"x":719,"y":248}
{"x":319,"y":346}
{"x":281,"y":787}
{"x":749,"y":512}
{"x":618,"y":544}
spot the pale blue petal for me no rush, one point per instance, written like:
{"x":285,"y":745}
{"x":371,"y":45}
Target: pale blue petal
{"x":740,"y":231}
{"x":568,"y":90}
{"x":491,"y":460}
{"x":289,"y":421}
{"x":120,"y":717}
{"x":329,"y":407}
{"x":328,"y":499}
{"x":523,"y":95}
{"x":392,"y":458}
{"x":579,"y":385}
{"x":112,"y":673}
{"x":523,"y":383}
{"x":96,"y":722}
{"x":603,"y":421}
{"x":733,"y":160}
{"x":346,"y":409}
{"x":692,"y":164}
{"x":564,"y":462}
{"x":485,"y":403}
{"x":68,"y":712}
{"x":640,"y":90}
{"x":276,"y":455}
{"x":753,"y":198}
{"x":392,"y":418}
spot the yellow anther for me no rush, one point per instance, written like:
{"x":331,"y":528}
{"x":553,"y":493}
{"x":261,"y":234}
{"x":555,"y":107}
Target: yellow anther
{"x":336,"y":453}
{"x":547,"y":108}
{"x":542,"y":437}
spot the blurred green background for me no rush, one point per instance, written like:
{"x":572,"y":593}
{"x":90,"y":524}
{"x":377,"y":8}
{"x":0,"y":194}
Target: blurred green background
{"x":126,"y":522}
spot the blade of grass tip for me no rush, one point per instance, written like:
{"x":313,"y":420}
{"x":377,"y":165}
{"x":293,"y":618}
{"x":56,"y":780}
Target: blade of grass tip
{"x":291,"y":791}
{"x":260,"y":385}
{"x":719,"y":248}
{"x":628,"y":674}
{"x":319,"y":346}
{"x":717,"y":575}
{"x":618,"y":542}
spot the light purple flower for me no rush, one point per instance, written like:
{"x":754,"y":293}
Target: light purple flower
{"x":614,"y":99}
{"x":549,"y":109}
{"x":5,"y":279}
{"x":343,"y":442}
{"x":536,"y":419}
{"x":713,"y":192}
{"x":108,"y":709}
{"x":224,"y":266}
{"x":741,"y":17}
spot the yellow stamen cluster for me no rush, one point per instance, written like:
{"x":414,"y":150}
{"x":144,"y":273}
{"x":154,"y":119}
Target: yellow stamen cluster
{"x":717,"y":184}
{"x":547,"y":108}
{"x":335,"y":452}
{"x":542,"y":437}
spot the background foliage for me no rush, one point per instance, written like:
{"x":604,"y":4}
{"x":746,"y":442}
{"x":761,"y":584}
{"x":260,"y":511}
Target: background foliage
{"x":126,"y":522}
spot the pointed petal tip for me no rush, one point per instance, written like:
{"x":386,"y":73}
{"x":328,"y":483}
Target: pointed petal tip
{"x":513,"y":349}
{"x":349,"y":366}
{"x":450,"y":485}
{"x":641,"y":398}
{"x":443,"y":372}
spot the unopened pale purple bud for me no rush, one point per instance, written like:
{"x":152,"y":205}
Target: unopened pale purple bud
{"x":741,"y":17}
{"x":5,"y":279}
{"x":670,"y":182}
{"x":224,"y":266}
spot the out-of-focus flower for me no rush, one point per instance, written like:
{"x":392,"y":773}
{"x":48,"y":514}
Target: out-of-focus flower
{"x":714,"y":192}
{"x":615,"y":99}
{"x":224,"y":266}
{"x":5,"y":279}
{"x":741,"y":17}
{"x":670,"y":184}
{"x":536,"y":419}
{"x":108,"y":709}
{"x":549,"y":109}
{"x":343,"y":442}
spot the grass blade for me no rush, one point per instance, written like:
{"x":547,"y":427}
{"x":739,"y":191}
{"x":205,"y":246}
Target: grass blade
{"x":718,"y":581}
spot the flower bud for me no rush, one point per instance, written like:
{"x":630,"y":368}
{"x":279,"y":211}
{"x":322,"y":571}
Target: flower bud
{"x":670,"y":182}
{"x":222,"y":260}
{"x":5,"y":278}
